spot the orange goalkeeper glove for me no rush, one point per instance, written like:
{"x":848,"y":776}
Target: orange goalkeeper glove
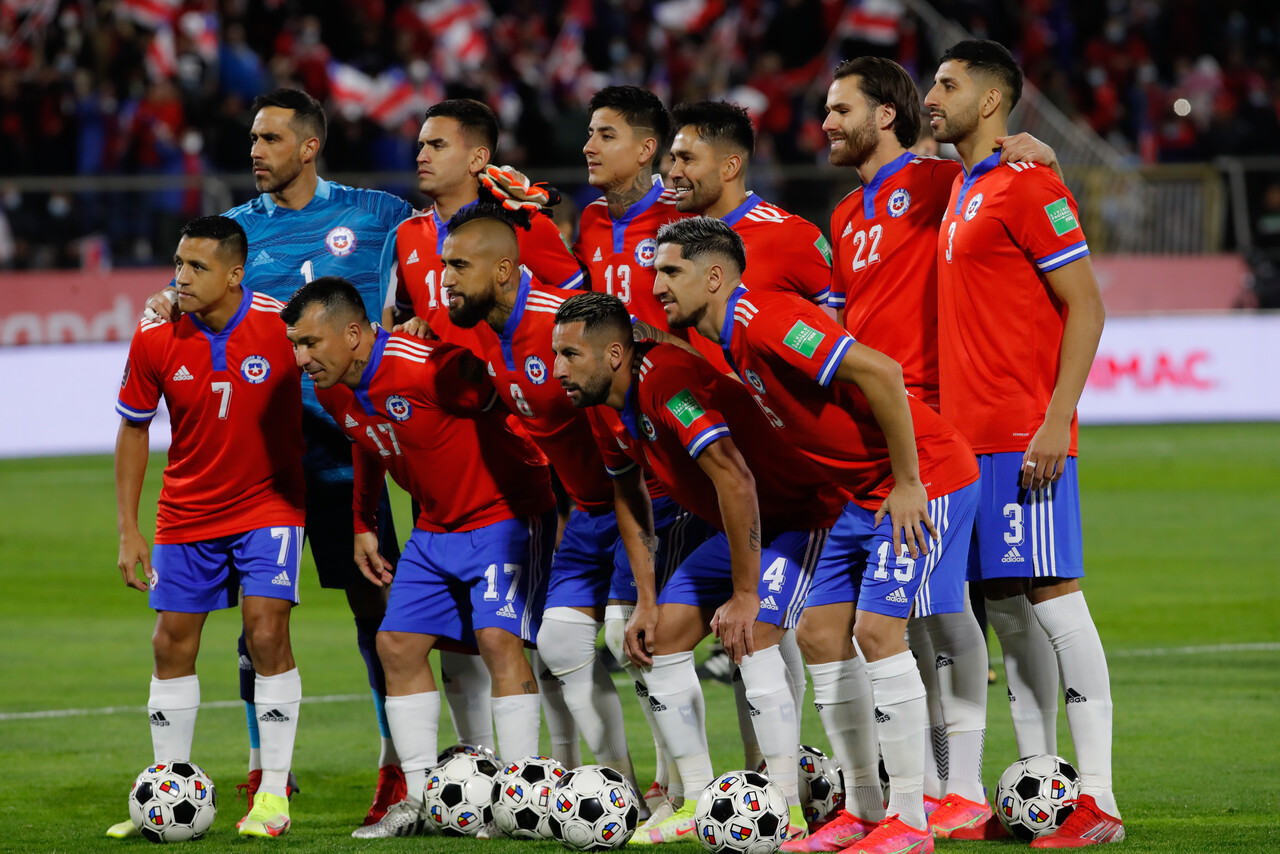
{"x":514,"y":190}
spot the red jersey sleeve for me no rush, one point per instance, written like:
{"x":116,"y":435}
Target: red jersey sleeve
{"x":680,"y":404}
{"x":804,"y":338}
{"x":1043,"y":219}
{"x":542,"y":250}
{"x":838,"y":294}
{"x":460,"y":382}
{"x":140,"y":385}
{"x":370,"y":475}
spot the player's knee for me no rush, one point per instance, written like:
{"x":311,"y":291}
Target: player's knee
{"x":567,"y":640}
{"x":173,"y":651}
{"x":615,"y":633}
{"x":996,"y":589}
{"x":396,"y":651}
{"x":268,"y":643}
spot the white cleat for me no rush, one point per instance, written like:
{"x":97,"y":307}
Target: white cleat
{"x":402,"y":819}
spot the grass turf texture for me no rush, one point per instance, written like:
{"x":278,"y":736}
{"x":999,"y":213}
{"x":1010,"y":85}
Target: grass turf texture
{"x":1180,"y":533}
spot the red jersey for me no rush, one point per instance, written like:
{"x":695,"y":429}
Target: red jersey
{"x":676,"y":408}
{"x":885,"y":271}
{"x":1000,"y":324}
{"x":788,"y":351}
{"x":235,"y":459}
{"x":785,"y":252}
{"x":425,"y":411}
{"x":413,"y":270}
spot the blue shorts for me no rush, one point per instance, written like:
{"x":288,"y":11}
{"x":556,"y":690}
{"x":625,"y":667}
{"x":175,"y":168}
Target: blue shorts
{"x":787,"y":565}
{"x":679,"y":532}
{"x":451,"y":585}
{"x":858,"y":563}
{"x":1025,"y":534}
{"x":196,"y":578}
{"x":582,"y":567}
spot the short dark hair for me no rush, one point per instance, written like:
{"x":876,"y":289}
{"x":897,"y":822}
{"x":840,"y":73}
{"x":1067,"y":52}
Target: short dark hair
{"x":701,"y":235}
{"x":597,"y":311}
{"x":883,"y":81}
{"x":991,"y":58}
{"x":717,"y":122}
{"x":338,"y":296}
{"x":476,"y":120}
{"x":639,"y":107}
{"x":488,"y":209}
{"x":308,"y":115}
{"x":225,"y":230}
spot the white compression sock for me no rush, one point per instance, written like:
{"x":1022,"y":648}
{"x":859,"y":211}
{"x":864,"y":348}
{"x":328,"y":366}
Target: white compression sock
{"x":1083,"y":663}
{"x":467,"y":688}
{"x":842,"y":694}
{"x":751,"y":754}
{"x":680,"y":714}
{"x":901,"y":724}
{"x":935,"y":752}
{"x":615,"y":624}
{"x":518,"y":723}
{"x":1032,"y":671}
{"x":961,"y":661}
{"x":172,"y":708}
{"x":795,"y":668}
{"x":277,"y":700}
{"x":563,"y":732}
{"x":414,"y":721}
{"x":764,"y":676}
{"x":567,"y":645}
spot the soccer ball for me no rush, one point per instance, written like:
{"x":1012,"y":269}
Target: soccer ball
{"x":173,"y":802}
{"x":821,"y":784}
{"x":470,"y":749}
{"x":1033,"y":794}
{"x":457,"y":798}
{"x":742,"y":811}
{"x":522,"y":795}
{"x":593,"y":808}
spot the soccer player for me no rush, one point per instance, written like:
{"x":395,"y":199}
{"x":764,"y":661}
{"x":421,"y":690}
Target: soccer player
{"x":698,"y":432}
{"x":231,"y":513}
{"x":474,"y":568}
{"x":885,"y":286}
{"x":1019,"y":316}
{"x":302,"y":227}
{"x":845,"y":407}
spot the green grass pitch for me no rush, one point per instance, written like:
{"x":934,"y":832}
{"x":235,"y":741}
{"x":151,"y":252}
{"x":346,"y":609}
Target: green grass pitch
{"x":1180,"y":533}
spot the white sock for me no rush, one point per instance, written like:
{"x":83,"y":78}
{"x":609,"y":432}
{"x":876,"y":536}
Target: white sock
{"x":277,"y":700}
{"x":387,"y":753}
{"x":901,"y":721}
{"x":935,"y":751}
{"x":172,"y":708}
{"x":680,"y":714}
{"x":414,"y":720}
{"x":751,"y":754}
{"x":764,"y":676}
{"x":842,"y":695}
{"x":467,"y":688}
{"x":1031,"y":669}
{"x":615,"y":626}
{"x":565,"y":748}
{"x":1083,"y":663}
{"x":790,"y":650}
{"x":567,"y":644}
{"x":517,"y":721}
{"x":960,"y":653}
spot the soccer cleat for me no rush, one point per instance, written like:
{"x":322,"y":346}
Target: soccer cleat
{"x":390,"y":790}
{"x":123,"y":830}
{"x":960,"y":818}
{"x":1087,"y":825}
{"x":675,"y":826}
{"x":931,"y":805}
{"x":251,"y":786}
{"x":797,"y":826}
{"x":894,"y":836}
{"x":268,"y":818}
{"x":404,"y":818}
{"x":655,"y":797}
{"x":836,"y":835}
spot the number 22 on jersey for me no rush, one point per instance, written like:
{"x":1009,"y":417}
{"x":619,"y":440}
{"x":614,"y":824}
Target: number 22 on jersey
{"x":864,"y":240}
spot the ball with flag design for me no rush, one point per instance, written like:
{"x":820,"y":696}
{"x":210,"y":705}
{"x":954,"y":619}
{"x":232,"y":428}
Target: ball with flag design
{"x":593,"y":808}
{"x":1035,"y":795}
{"x":741,"y":812}
{"x":522,"y":797}
{"x":458,"y":796}
{"x":173,"y":802}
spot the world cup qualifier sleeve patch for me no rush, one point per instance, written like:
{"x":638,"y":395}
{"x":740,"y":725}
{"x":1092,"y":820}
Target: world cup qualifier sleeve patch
{"x":823,"y":247}
{"x":1060,"y":216}
{"x":685,"y":407}
{"x":804,"y":339}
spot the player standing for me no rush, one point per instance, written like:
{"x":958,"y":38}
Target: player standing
{"x":474,"y":568}
{"x":302,"y":227}
{"x":231,"y":512}
{"x":1020,"y":315}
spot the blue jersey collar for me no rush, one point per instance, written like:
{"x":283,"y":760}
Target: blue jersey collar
{"x":726,"y":329}
{"x":970,"y":178}
{"x":731,"y":218}
{"x":513,"y":320}
{"x":442,"y":225}
{"x":883,"y":174}
{"x":647,"y":201}
{"x":324,"y":190}
{"x":218,"y":340}
{"x":371,"y":370}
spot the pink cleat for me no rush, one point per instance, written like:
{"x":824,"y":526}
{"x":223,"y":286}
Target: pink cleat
{"x":894,"y":836}
{"x":960,"y":818}
{"x":1088,"y":825}
{"x":836,"y":835}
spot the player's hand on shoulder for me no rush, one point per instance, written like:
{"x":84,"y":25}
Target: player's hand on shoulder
{"x":734,"y":624}
{"x":641,"y":630}
{"x":415,"y":326}
{"x":371,"y":564}
{"x":1025,"y":148}
{"x":907,"y":506}
{"x":1046,"y":457}
{"x":134,"y":552}
{"x":162,"y":306}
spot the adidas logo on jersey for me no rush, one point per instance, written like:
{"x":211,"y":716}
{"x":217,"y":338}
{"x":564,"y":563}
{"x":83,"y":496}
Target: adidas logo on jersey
{"x":881,"y":717}
{"x":158,"y":719}
{"x":412,"y":259}
{"x":275,"y":716}
{"x":848,"y":229}
{"x":1012,"y":556}
{"x":351,"y":422}
{"x":899,"y":596}
{"x":655,"y":705}
{"x":1074,"y":696}
{"x":507,"y":611}
{"x":282,"y":579}
{"x":768,"y":604}
{"x":182,"y":374}
{"x":263,"y":257}
{"x":597,"y":256}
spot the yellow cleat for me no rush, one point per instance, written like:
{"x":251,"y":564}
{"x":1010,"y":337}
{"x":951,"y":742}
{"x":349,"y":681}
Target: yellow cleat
{"x":123,"y":830}
{"x":269,"y":816}
{"x":676,"y":826}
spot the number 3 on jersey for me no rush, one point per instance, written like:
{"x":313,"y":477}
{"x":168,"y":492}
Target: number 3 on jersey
{"x":617,"y":281}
